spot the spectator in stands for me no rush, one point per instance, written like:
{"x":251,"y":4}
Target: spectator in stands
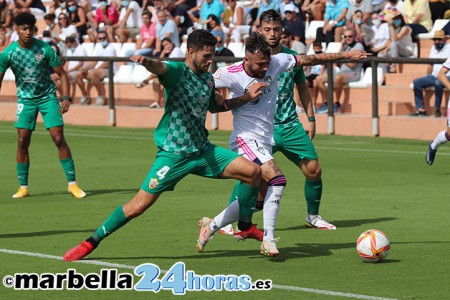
{"x":312,"y":72}
{"x":35,"y":7}
{"x":263,"y":6}
{"x":209,"y":7}
{"x":78,"y":18}
{"x":377,"y":5}
{"x":146,"y":43}
{"x":417,"y":15}
{"x":239,"y":23}
{"x":397,"y":4}
{"x":313,"y":9}
{"x":63,"y":30}
{"x":128,"y":24}
{"x":165,"y":28}
{"x":4,"y":38}
{"x":179,"y":15}
{"x":365,"y":6}
{"x":296,"y":10}
{"x":356,"y":23}
{"x":221,"y":50}
{"x":58,"y":7}
{"x":401,"y":44}
{"x":287,"y":41}
{"x":213,"y":24}
{"x":335,"y":13}
{"x":6,"y":15}
{"x":105,"y":15}
{"x":437,"y":9}
{"x":348,"y":72}
{"x":49,"y":20}
{"x":293,"y":24}
{"x":440,"y":49}
{"x":72,"y":67}
{"x":169,"y":50}
{"x":96,"y":71}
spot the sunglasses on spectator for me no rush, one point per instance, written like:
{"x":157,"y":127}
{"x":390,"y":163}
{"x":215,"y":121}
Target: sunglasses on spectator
{"x":62,"y":18}
{"x":348,"y":36}
{"x":102,"y":38}
{"x":219,"y":42}
{"x":437,"y":40}
{"x":288,"y":12}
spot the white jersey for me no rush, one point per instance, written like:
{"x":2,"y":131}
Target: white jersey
{"x":254,"y":120}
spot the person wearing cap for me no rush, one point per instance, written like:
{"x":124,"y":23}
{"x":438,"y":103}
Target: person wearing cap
{"x":440,"y":49}
{"x":293,"y":24}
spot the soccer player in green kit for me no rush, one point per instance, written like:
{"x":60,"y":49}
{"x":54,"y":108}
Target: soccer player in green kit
{"x":30,"y":60}
{"x":181,"y":137}
{"x":290,"y":137}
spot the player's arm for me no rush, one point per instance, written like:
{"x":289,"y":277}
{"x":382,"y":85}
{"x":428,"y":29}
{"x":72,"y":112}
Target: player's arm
{"x":322,"y":58}
{"x":442,"y":76}
{"x":64,"y":103}
{"x":306,"y":100}
{"x":228,"y":104}
{"x":154,"y":66}
{"x":1,"y":79}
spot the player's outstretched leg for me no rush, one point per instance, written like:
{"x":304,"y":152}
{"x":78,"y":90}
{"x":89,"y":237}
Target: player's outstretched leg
{"x":206,"y":234}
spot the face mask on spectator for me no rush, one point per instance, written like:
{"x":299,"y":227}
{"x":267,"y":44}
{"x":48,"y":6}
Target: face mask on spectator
{"x":103,"y":4}
{"x":104,"y":43}
{"x":218,"y":49}
{"x":359,"y":21}
{"x":376,"y":22}
{"x":73,"y":49}
{"x":319,"y":52}
{"x":439,"y":46}
{"x":72,"y":8}
{"x":125,"y":3}
{"x":397,"y":23}
{"x":47,"y":39}
{"x":63,"y":5}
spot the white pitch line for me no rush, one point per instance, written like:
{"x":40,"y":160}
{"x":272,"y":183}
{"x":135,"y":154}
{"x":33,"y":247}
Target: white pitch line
{"x":276,"y":286}
{"x":221,"y":142}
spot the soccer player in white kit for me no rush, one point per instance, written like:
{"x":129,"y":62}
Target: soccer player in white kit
{"x":252,"y":134}
{"x":444,"y":135}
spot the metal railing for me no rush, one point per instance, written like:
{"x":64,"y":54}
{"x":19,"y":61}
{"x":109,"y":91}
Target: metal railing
{"x":374,"y":61}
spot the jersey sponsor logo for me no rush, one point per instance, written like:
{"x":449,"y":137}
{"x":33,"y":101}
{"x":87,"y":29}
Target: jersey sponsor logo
{"x":153,"y":183}
{"x":38,"y":56}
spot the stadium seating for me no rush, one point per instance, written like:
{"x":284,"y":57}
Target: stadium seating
{"x":310,"y":32}
{"x":334,"y":47}
{"x":366,"y":79}
{"x":89,"y":47}
{"x":139,"y":73}
{"x":438,"y":25}
{"x":237,"y":49}
{"x":126,"y":47}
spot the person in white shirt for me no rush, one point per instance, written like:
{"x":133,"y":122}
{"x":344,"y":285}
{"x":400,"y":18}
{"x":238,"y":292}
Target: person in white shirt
{"x":95,"y":71}
{"x":253,"y":128}
{"x":72,"y":67}
{"x":440,"y":49}
{"x":129,"y":22}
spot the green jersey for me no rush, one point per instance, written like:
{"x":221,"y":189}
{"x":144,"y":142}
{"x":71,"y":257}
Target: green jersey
{"x":285,"y":113}
{"x":31,"y":67}
{"x":188,"y":97}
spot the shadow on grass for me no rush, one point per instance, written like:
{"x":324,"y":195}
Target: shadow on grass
{"x":42,"y":233}
{"x":345,"y":223}
{"x":90,"y":192}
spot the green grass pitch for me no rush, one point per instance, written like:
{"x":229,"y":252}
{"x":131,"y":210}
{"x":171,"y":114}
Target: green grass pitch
{"x":368,"y":183}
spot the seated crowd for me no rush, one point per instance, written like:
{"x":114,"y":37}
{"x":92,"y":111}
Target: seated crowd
{"x":385,"y":28}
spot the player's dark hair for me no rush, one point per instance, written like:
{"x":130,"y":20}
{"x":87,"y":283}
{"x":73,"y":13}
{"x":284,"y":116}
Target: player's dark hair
{"x":200,"y":38}
{"x":270,"y":16}
{"x":24,"y":18}
{"x":257,"y":44}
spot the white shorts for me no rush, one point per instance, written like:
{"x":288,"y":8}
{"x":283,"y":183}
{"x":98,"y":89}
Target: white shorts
{"x":252,"y":150}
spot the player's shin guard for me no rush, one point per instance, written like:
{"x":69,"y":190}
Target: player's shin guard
{"x":247,"y":197}
{"x":69,"y":168}
{"x":313,"y":195}
{"x":22,"y":173}
{"x":116,"y":220}
{"x":272,"y":205}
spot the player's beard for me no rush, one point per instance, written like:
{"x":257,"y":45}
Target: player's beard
{"x":201,"y":68}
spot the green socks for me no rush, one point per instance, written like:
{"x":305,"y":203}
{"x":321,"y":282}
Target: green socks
{"x":247,"y":196}
{"x":69,"y":168}
{"x":313,"y":194}
{"x":116,"y":220}
{"x":22,"y":173}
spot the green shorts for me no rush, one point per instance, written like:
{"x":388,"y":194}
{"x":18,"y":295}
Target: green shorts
{"x":168,"y":168}
{"x":294,"y":143}
{"x":27,"y":111}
